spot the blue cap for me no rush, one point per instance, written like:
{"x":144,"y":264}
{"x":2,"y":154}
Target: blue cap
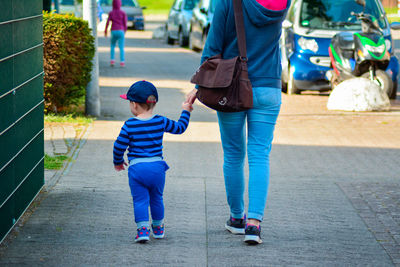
{"x":140,"y":91}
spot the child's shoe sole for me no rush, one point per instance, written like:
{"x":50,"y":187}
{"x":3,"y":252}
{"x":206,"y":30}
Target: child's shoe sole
{"x":159,"y":236}
{"x":142,"y":239}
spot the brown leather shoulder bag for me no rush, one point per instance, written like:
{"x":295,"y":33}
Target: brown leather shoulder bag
{"x":223,"y":84}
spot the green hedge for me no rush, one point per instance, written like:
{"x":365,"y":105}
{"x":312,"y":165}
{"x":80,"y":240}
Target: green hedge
{"x":68,"y":52}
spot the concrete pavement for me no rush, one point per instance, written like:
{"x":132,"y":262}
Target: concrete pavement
{"x":333,"y":198}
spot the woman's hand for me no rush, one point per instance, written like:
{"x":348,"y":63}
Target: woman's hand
{"x":191,"y":97}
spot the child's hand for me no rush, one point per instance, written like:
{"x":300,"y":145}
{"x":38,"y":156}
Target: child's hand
{"x":120,"y":167}
{"x":187,"y":106}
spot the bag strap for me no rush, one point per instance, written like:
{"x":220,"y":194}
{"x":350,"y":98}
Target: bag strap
{"x":239,"y":22}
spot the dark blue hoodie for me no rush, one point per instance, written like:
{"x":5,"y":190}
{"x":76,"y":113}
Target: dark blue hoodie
{"x":263,"y":29}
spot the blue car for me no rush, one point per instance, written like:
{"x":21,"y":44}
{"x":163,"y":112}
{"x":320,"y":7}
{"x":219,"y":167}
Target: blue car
{"x":132,"y":9}
{"x":306,"y":36}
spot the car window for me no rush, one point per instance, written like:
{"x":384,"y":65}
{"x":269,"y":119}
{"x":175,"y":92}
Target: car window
{"x":67,"y":2}
{"x":127,"y":3}
{"x":190,"y":4}
{"x":177,"y":5}
{"x":292,"y":12}
{"x":335,"y":14}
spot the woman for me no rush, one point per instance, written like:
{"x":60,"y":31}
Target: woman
{"x":263,"y":25}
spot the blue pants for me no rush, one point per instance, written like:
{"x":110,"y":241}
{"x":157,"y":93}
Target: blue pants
{"x":261,"y":120}
{"x":147,"y":180}
{"x":120,"y":37}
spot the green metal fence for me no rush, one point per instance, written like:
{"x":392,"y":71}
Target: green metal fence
{"x":21,"y":108}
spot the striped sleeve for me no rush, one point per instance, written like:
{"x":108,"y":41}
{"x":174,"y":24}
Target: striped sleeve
{"x":177,"y":127}
{"x":120,"y":145}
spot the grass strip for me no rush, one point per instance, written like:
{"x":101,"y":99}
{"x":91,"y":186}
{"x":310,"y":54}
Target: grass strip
{"x":54,"y":163}
{"x":68,"y":118}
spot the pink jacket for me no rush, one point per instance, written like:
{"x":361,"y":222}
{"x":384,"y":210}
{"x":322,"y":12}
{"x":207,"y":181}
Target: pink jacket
{"x":273,"y":4}
{"x":117,"y":17}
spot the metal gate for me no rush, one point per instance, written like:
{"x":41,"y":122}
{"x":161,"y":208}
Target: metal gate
{"x":21,"y":108}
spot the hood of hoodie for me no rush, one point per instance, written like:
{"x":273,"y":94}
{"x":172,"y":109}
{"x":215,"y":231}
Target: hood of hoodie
{"x":260,"y":16}
{"x":116,"y":4}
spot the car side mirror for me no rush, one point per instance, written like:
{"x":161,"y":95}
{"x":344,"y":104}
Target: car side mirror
{"x":395,"y":25}
{"x":144,"y":7}
{"x":286,"y":24}
{"x":203,"y":10}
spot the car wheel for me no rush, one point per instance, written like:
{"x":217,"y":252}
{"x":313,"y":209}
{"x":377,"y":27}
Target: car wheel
{"x":183,"y":41}
{"x":394,"y":91}
{"x":191,"y":45}
{"x":204,"y":39}
{"x":168,"y":39}
{"x":384,"y":81}
{"x":284,"y":86}
{"x":291,"y":86}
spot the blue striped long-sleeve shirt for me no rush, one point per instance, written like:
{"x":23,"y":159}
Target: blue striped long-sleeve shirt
{"x":143,"y":138}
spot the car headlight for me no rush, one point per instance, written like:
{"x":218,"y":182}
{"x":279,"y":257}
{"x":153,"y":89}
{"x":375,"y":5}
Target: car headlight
{"x":375,"y":49}
{"x":388,"y":44}
{"x":308,"y":44}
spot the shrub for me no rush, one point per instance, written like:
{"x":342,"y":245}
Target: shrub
{"x":68,"y":50}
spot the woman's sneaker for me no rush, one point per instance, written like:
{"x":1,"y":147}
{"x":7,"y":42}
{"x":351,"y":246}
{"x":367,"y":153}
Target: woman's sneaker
{"x":158,"y":231}
{"x":112,"y":63}
{"x":143,"y":235}
{"x":236,"y":226}
{"x":252,"y":234}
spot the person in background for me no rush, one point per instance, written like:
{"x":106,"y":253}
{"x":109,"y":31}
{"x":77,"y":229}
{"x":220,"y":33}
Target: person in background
{"x":100,"y":11}
{"x":118,"y":20}
{"x":263,"y":24}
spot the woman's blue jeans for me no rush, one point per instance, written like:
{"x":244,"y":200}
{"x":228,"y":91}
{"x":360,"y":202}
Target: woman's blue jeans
{"x":261,"y":120}
{"x":120,"y":37}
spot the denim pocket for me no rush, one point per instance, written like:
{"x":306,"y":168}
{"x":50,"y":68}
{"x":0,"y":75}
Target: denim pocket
{"x":266,"y":96}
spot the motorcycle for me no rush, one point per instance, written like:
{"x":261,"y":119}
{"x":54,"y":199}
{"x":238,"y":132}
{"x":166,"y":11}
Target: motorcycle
{"x":361,"y":54}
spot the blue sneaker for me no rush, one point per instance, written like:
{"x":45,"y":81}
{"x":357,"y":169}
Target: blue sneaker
{"x":236,"y":226}
{"x":158,"y":231}
{"x":252,"y":234}
{"x":143,"y":235}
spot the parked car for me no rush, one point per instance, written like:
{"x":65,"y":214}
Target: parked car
{"x":69,"y":7}
{"x":178,"y":23}
{"x":200,"y":23}
{"x":306,"y":36}
{"x":132,"y":9}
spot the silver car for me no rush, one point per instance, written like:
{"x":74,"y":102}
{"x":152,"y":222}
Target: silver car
{"x":178,"y":24}
{"x":132,"y":9}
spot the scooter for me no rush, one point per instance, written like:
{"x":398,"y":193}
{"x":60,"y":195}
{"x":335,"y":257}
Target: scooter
{"x":361,"y":54}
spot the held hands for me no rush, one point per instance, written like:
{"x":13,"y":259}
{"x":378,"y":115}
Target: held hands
{"x":120,"y":167}
{"x":187,"y":106}
{"x":191,"y":97}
